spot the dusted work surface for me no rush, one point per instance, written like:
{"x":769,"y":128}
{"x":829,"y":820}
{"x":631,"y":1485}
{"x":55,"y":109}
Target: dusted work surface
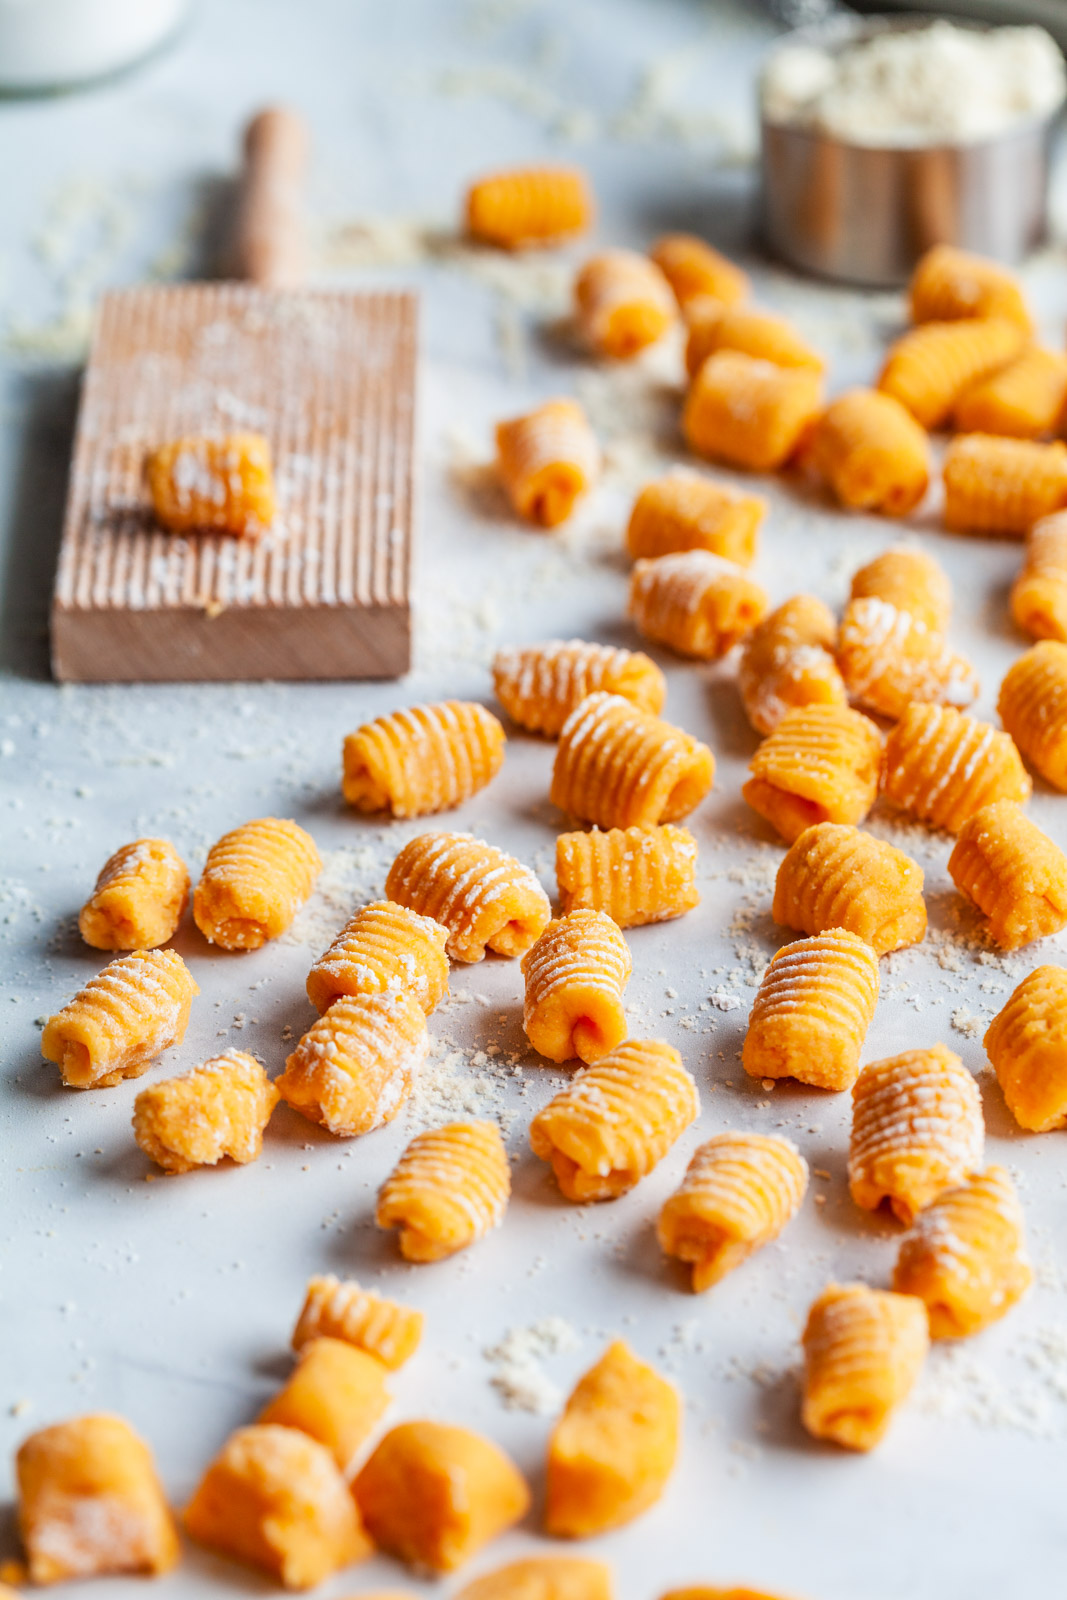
{"x":172,"y":1301}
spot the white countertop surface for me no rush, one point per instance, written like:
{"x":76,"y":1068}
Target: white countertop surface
{"x":172,"y":1301}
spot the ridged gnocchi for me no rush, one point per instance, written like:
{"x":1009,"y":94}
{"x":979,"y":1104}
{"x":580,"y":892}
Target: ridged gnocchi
{"x":539,"y":685}
{"x":139,"y":899}
{"x":132,"y":1011}
{"x":870,"y":451}
{"x":621,"y":767}
{"x":449,"y":1188}
{"x":834,"y":876}
{"x":485,"y":899}
{"x":255,"y":880}
{"x":750,"y":413}
{"x":623,"y":303}
{"x":931,"y":366}
{"x":546,"y":460}
{"x":888,"y":658}
{"x":1013,"y":873}
{"x":697,"y":603}
{"x":998,"y":485}
{"x":340,"y":1309}
{"x":820,"y":764}
{"x":633,"y":875}
{"x":356,"y":1065}
{"x":527,"y":207}
{"x":1039,"y":593}
{"x":738,"y":1193}
{"x":218,"y":1109}
{"x":575,"y":977}
{"x":684,"y":510}
{"x":384,"y":946}
{"x":428,"y":758}
{"x":863,"y":1350}
{"x":787,"y":661}
{"x":814,"y":1005}
{"x":943,"y":766}
{"x":1033,"y":708}
{"x":1027,"y":1045}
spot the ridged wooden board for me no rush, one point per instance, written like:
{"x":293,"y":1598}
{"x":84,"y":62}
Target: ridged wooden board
{"x":329,"y":377}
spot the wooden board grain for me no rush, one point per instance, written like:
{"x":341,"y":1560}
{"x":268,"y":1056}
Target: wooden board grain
{"x":329,"y":377}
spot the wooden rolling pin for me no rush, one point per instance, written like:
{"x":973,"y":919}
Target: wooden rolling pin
{"x":270,"y":241}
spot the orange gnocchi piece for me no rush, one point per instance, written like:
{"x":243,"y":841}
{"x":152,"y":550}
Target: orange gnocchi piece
{"x":546,"y":460}
{"x":966,"y":1256}
{"x":739,"y":1191}
{"x":336,"y":1395}
{"x":685,"y":511}
{"x":820,"y":764}
{"x":340,"y":1309}
{"x":1033,"y":708}
{"x":274,"y":1498}
{"x":487,"y":900}
{"x":1024,"y":400}
{"x":714,"y":325}
{"x":539,"y":685}
{"x":124,"y":1017}
{"x":384,"y":946}
{"x":218,"y":1109}
{"x":1012,"y":872}
{"x":139,"y":899}
{"x":529,"y":207}
{"x":910,"y":580}
{"x":204,"y":485}
{"x":90,"y":1504}
{"x":621,"y":767}
{"x":942,"y":766}
{"x":871,"y":452}
{"x":950,"y":284}
{"x":996,"y":485}
{"x":433,"y":1495}
{"x":787,"y":662}
{"x":355,"y":1067}
{"x":624,"y":302}
{"x":916,"y":1129}
{"x":834,"y":876}
{"x":930,"y":367}
{"x":812,"y":1010}
{"x":613,"y":1450}
{"x":616,"y":1120}
{"x":1027,"y":1044}
{"x":543,"y":1578}
{"x":633,"y":875}
{"x":255,"y":880}
{"x":692,"y":267}
{"x":423,"y":759}
{"x":750,"y":413}
{"x":863,"y":1350}
{"x":694,"y":602}
{"x":575,"y":976}
{"x":888,"y":658}
{"x":1039,"y":593}
{"x":449,"y":1188}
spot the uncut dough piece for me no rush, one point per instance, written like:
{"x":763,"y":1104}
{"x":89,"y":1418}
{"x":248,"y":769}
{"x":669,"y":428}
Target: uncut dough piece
{"x":910,"y":580}
{"x":815,"y":1003}
{"x":218,"y":1109}
{"x":633,"y":875}
{"x":487,"y":900}
{"x":942,"y":766}
{"x":1033,"y":708}
{"x":449,"y":1188}
{"x":337,"y":1395}
{"x":692,"y":267}
{"x":749,"y":413}
{"x":1027,"y":1044}
{"x":543,"y":1578}
{"x":715,"y":326}
{"x":433,"y":1495}
{"x":575,"y":976}
{"x":139,"y":899}
{"x":384,"y":946}
{"x":1025,"y":400}
{"x":90,"y":1503}
{"x":274,"y":1499}
{"x":871,"y":452}
{"x":834,"y":876}
{"x":114,"y":1028}
{"x":529,"y":206}
{"x":620,"y":767}
{"x":731,"y":1592}
{"x":1039,"y":593}
{"x":546,"y":460}
{"x":930,"y":367}
{"x":738,"y":1193}
{"x":539,"y":685}
{"x":422,"y":759}
{"x":613,"y":1450}
{"x":615,"y":1120}
{"x":623,"y":303}
{"x":997,"y":485}
{"x":337,"y":1309}
{"x":684,"y":510}
{"x":1012,"y":872}
{"x":888,"y":658}
{"x":255,"y":880}
{"x":694,"y":602}
{"x":355,"y":1067}
{"x":966,"y":1256}
{"x":820,"y":764}
{"x":863,"y":1350}
{"x":204,"y":485}
{"x":787,"y":662}
{"x":916,"y":1129}
{"x":949,"y":284}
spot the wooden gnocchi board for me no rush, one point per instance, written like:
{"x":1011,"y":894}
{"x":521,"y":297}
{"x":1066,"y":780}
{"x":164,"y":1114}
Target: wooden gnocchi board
{"x":329,"y":377}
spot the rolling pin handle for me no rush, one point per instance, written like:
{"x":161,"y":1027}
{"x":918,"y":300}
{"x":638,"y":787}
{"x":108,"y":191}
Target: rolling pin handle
{"x":270,"y":248}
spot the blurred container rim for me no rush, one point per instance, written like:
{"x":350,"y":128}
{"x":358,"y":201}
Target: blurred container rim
{"x":59,"y":46}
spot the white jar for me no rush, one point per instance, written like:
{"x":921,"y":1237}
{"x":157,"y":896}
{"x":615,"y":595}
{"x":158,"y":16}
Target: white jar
{"x":53,"y":44}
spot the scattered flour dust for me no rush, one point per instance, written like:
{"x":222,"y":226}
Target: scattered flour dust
{"x":350,"y":877}
{"x":518,"y":1376}
{"x":957,"y":1386}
